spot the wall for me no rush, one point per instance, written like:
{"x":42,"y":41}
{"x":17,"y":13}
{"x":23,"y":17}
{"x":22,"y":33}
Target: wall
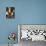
{"x":27,"y":12}
{"x":31,"y":11}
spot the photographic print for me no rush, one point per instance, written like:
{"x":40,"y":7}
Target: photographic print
{"x":29,"y":34}
{"x":10,"y":12}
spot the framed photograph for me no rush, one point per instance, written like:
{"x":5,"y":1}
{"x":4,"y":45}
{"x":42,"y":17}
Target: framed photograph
{"x":10,"y":12}
{"x":32,"y":32}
